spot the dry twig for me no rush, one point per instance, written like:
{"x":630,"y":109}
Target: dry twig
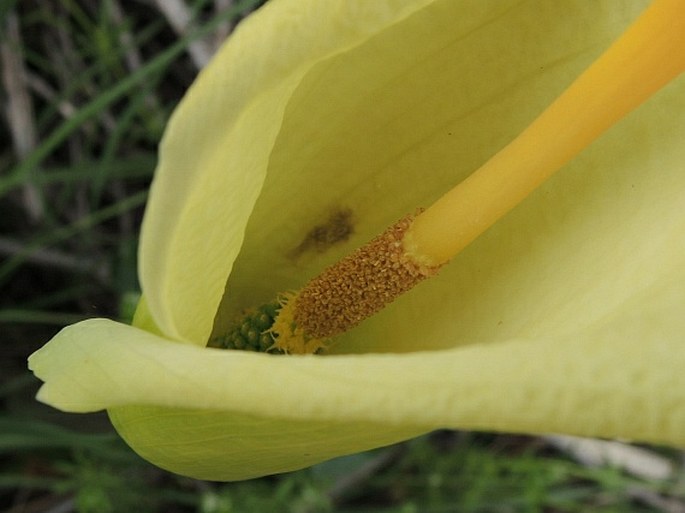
{"x":20,"y":114}
{"x":632,"y":460}
{"x":178,"y":15}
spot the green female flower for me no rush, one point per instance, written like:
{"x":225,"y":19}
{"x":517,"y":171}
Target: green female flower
{"x":321,"y":123}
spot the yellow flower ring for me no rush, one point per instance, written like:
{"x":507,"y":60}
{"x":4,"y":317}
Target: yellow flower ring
{"x":314,"y":128}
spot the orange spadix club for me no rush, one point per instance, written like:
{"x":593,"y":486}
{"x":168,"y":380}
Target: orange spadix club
{"x":649,"y":55}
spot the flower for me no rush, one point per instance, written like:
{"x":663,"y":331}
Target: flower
{"x":319,"y":124}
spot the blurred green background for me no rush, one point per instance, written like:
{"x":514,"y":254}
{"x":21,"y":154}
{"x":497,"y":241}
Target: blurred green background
{"x":87,"y":88}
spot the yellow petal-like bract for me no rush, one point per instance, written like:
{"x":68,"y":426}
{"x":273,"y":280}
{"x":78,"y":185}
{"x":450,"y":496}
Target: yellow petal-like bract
{"x":566,"y":316}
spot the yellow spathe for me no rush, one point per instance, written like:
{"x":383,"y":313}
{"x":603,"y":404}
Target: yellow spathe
{"x":566,"y":316}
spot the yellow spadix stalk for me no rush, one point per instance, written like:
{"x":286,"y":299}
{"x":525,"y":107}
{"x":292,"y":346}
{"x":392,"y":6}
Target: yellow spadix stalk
{"x":645,"y":58}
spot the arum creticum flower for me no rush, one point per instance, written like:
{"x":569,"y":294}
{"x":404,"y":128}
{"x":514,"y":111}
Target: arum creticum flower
{"x":321,"y":123}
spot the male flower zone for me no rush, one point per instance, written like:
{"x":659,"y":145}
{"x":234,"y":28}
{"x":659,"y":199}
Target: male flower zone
{"x":554,"y":300}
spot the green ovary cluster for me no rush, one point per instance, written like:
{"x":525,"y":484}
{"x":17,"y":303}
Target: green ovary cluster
{"x":252,"y":332}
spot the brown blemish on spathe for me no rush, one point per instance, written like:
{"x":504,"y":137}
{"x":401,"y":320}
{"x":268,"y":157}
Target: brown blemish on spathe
{"x":359,"y":285}
{"x":337,"y":228}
